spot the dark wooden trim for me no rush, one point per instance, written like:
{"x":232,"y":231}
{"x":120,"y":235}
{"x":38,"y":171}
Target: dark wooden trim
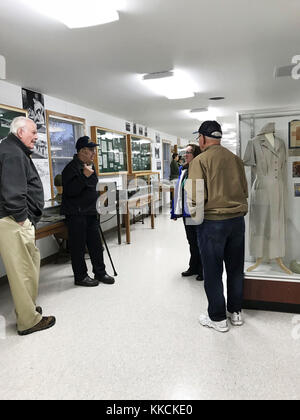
{"x":271,"y":306}
{"x":263,"y":290}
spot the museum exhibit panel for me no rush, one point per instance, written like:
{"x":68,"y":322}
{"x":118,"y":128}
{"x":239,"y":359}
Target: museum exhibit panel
{"x":270,"y":149}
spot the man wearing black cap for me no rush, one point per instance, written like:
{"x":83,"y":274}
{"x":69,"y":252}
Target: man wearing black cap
{"x":79,"y":200}
{"x":221,"y":236}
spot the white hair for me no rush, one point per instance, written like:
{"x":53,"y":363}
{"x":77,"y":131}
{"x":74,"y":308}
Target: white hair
{"x":17,"y":123}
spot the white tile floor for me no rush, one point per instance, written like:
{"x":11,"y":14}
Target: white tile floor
{"x":140,"y":339}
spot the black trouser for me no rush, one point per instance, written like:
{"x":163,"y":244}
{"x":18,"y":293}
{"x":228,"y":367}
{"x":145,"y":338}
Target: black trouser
{"x":84,"y":232}
{"x":223,"y":241}
{"x":195,"y":265}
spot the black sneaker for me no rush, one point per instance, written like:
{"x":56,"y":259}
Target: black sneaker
{"x":106,"y":279}
{"x":87,"y":282}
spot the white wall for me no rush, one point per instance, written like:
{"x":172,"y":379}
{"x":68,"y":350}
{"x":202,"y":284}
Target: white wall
{"x":10,"y":95}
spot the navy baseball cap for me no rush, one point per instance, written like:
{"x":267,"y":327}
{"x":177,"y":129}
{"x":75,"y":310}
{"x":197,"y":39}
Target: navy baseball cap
{"x":210,"y":129}
{"x":85,"y":141}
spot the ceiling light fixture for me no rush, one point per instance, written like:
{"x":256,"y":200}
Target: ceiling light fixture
{"x":78,"y":13}
{"x":174,"y":84}
{"x":204,"y":114}
{"x":217,"y":98}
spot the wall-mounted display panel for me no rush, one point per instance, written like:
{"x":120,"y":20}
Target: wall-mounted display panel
{"x":63,"y":132}
{"x":7,"y":114}
{"x":112,"y":153}
{"x":141,"y":154}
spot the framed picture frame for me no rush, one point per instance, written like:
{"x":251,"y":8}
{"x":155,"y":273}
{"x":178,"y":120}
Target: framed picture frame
{"x":294,"y":134}
{"x":7,"y":114}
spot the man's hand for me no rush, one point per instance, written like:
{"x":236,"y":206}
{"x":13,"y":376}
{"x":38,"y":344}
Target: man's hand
{"x":88,"y":171}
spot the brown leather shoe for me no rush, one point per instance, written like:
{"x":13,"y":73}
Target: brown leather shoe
{"x":44,"y":324}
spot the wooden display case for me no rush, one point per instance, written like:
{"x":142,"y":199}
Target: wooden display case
{"x":112,"y":155}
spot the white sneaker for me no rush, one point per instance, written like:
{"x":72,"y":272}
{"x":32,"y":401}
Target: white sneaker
{"x":236,"y":319}
{"x":221,"y":326}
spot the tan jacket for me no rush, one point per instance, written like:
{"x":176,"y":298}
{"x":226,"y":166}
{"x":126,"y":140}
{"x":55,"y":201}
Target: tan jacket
{"x":222,"y":185}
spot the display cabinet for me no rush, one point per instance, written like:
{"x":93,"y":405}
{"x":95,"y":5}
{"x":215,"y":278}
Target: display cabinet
{"x":140,"y":154}
{"x":63,"y":132}
{"x":271,"y":154}
{"x":7,"y":114}
{"x":112,"y":153}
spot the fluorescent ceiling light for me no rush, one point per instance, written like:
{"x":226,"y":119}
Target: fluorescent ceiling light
{"x":78,"y":13}
{"x":174,"y":84}
{"x":207,"y":114}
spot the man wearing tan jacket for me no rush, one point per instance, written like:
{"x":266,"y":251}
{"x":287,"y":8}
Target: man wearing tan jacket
{"x":220,"y":177}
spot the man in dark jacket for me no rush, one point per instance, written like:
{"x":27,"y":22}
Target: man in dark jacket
{"x":21,"y":205}
{"x":79,"y":200}
{"x":174,"y":167}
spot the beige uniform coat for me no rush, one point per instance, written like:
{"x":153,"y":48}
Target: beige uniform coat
{"x":267,"y":208}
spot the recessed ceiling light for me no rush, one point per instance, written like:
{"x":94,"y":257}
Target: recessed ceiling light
{"x":217,"y":98}
{"x":78,"y":13}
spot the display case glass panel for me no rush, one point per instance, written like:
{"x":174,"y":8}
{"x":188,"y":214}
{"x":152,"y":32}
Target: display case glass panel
{"x":272,"y":164}
{"x":112,"y":155}
{"x":141,"y":154}
{"x":63,"y":132}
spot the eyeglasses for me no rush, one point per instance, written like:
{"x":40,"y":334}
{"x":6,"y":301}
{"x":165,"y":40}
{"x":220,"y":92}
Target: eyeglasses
{"x":189,"y":153}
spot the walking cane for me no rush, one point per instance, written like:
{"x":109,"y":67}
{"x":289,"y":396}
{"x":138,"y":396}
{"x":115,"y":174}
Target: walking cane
{"x":103,"y":238}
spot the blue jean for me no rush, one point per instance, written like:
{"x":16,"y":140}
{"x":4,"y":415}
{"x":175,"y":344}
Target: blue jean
{"x":223,"y":241}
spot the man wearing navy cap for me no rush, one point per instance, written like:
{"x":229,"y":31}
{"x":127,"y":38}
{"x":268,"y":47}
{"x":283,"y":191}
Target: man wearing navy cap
{"x":221,"y":235}
{"x":79,"y":200}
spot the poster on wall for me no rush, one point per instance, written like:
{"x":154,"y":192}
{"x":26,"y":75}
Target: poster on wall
{"x":297,"y":190}
{"x":157,"y":151}
{"x":294,"y":134}
{"x":33,"y":102}
{"x":42,"y":167}
{"x":296,"y":169}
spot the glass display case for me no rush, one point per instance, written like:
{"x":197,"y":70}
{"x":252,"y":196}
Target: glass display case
{"x":7,"y":114}
{"x":141,"y":154}
{"x":112,"y":156}
{"x":63,"y":132}
{"x":270,"y":148}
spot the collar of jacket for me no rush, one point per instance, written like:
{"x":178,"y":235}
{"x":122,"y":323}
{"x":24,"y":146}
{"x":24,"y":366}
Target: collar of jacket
{"x":19,"y":143}
{"x":78,"y":162}
{"x":265,"y":142}
{"x":210,"y":147}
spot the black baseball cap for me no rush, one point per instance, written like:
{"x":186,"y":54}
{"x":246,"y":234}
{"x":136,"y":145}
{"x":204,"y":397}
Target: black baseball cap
{"x":85,"y":141}
{"x":210,"y":129}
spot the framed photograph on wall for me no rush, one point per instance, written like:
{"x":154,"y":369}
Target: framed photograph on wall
{"x":294,"y":134}
{"x":34,"y":103}
{"x":7,"y":114}
{"x":296,"y":169}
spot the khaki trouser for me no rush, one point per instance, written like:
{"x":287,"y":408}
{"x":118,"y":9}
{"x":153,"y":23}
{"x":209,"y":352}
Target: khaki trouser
{"x":21,"y":259}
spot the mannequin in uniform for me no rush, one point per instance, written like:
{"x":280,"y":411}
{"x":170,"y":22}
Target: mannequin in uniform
{"x":266,"y":154}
